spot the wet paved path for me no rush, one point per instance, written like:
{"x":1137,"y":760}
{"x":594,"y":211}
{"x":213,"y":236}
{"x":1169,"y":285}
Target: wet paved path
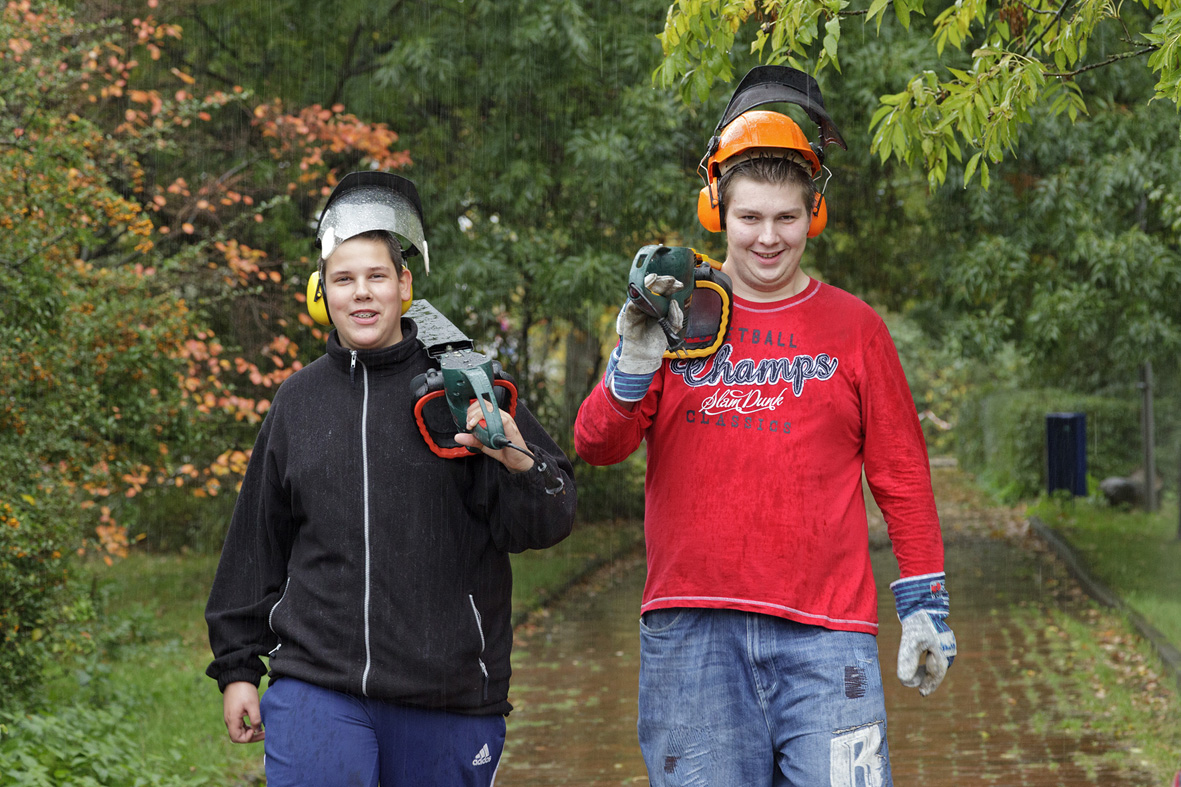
{"x":997,"y":719}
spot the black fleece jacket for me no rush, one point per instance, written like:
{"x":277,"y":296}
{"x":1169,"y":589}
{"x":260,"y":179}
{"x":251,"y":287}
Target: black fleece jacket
{"x":360,"y":561}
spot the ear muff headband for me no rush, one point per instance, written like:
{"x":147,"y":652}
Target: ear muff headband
{"x":709,"y":211}
{"x":318,"y":304}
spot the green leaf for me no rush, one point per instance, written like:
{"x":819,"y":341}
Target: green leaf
{"x":902,"y":9}
{"x":970,"y":168}
{"x":876,"y":9}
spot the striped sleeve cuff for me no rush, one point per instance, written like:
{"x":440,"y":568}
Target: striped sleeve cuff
{"x":626,"y":387}
{"x":924,"y":593}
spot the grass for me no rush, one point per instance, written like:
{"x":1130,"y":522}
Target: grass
{"x":1103,"y":682}
{"x":1106,"y":679}
{"x":152,"y":652}
{"x":152,"y":665}
{"x":1135,"y":554}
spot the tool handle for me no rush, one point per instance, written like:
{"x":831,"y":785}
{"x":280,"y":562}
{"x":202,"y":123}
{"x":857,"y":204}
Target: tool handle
{"x":474,"y":384}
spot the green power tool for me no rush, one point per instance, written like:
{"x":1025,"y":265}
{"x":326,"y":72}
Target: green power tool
{"x":463,"y":376}
{"x":676,"y":261}
{"x":704,"y":298}
{"x":466,"y":376}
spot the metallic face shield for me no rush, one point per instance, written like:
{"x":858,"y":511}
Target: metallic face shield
{"x":366,"y":201}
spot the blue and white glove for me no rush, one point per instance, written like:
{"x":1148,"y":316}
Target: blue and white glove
{"x":640,"y":352}
{"x":927,"y":648}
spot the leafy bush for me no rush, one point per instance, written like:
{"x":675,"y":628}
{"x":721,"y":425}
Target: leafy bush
{"x":79,"y":746}
{"x":32,"y":572}
{"x":611,"y":492}
{"x":130,"y":234}
{"x":1001,"y":437}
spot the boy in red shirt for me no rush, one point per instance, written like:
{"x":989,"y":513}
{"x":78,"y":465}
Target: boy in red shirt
{"x":758,"y":653}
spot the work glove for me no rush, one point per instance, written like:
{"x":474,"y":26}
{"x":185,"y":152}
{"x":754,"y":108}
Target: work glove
{"x":642,"y":342}
{"x":927,"y":648}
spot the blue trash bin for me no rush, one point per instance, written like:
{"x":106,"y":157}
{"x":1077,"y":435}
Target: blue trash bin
{"x":1066,"y":453}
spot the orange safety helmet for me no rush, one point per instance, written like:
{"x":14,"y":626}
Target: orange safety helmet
{"x":743,"y":132}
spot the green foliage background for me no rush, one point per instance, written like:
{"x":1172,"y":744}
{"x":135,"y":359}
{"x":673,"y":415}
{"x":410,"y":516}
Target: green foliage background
{"x":1002,"y":437}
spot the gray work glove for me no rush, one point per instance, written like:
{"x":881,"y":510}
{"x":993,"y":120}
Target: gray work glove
{"x":927,"y":648}
{"x":642,"y":343}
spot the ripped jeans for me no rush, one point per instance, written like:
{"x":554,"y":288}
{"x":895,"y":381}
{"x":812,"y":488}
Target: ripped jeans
{"x":740,"y":698}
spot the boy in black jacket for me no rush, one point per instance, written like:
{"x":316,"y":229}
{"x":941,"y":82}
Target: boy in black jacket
{"x":373,"y":574}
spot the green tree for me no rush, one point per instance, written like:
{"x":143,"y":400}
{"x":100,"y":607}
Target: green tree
{"x":132,"y":235}
{"x":1070,"y":257}
{"x":992,"y":64}
{"x":1075,"y":259}
{"x":544,"y":156}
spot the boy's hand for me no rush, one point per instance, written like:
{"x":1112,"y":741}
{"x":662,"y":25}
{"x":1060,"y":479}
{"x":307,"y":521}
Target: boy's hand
{"x":514,"y":460}
{"x":240,"y":709}
{"x":642,"y":343}
{"x":927,"y":648}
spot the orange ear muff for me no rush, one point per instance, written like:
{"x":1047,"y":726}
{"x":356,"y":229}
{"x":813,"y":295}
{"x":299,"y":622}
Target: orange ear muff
{"x":819,"y":216}
{"x":317,"y":306}
{"x":708,"y":210}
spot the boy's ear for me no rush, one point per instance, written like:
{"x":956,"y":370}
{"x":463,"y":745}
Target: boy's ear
{"x":406,"y":283}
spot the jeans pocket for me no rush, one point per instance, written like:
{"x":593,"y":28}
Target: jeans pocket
{"x":658,"y":621}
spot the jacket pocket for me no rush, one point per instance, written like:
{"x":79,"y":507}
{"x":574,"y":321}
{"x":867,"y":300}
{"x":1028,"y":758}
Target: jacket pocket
{"x":274,"y":609}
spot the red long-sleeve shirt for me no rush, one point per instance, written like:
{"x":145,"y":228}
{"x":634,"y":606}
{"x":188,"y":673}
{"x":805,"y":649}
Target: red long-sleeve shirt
{"x":753,"y":490}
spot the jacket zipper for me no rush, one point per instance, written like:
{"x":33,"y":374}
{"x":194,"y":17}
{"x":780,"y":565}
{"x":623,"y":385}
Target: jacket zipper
{"x":480,"y":628}
{"x":365,"y":516}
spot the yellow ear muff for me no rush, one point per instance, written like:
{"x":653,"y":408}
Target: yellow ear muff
{"x":317,"y":306}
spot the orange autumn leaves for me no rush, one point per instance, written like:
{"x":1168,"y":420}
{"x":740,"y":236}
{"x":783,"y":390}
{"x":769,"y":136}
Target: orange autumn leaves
{"x":134,"y":258}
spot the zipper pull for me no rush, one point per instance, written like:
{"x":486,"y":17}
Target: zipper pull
{"x":353,"y":368}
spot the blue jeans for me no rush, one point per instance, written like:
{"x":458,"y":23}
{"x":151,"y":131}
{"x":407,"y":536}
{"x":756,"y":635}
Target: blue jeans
{"x":739,"y":698}
{"x":320,"y":737}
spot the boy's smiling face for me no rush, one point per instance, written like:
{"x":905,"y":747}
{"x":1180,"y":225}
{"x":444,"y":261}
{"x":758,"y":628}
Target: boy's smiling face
{"x":365,"y":291}
{"x":766,"y":232}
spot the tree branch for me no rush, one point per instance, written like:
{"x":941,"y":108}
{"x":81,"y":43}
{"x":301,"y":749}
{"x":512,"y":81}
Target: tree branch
{"x":1107,"y":62}
{"x":1033,"y":10}
{"x":15,"y":266}
{"x":1057,"y":18}
{"x":221,"y":44}
{"x":348,"y":70}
